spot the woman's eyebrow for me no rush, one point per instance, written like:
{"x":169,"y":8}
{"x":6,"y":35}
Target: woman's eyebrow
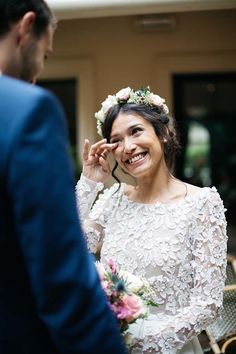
{"x":135,"y":126}
{"x":114,"y":136}
{"x":129,"y":129}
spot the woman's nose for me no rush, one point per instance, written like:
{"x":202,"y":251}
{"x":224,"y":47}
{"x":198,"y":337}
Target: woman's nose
{"x":129,"y":146}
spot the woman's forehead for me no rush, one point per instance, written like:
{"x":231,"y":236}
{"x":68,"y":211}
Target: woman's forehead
{"x":125,"y":121}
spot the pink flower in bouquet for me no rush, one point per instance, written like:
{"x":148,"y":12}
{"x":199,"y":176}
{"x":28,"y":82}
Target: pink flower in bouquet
{"x":120,"y":311}
{"x":112,"y":266}
{"x":134,"y":307}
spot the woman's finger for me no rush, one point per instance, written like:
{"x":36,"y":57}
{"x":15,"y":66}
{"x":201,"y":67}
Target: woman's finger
{"x":103,"y":153}
{"x":103,"y":156}
{"x":105,"y":149}
{"x":86,"y":150}
{"x":110,"y":146}
{"x":104,"y":164}
{"x":95,"y":147}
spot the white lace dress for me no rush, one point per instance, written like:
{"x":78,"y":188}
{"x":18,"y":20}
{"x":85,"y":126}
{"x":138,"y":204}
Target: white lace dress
{"x":179,"y":247}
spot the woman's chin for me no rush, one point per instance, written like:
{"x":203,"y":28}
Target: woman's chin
{"x":141,"y":170}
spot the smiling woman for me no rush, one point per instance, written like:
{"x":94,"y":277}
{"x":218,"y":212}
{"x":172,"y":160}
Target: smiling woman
{"x":161,"y":228}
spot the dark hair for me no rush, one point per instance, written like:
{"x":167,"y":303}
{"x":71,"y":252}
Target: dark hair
{"x":163,"y":125}
{"x":11,"y":11}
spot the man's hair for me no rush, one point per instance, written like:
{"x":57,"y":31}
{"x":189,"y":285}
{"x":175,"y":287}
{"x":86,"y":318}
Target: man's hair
{"x":11,"y":11}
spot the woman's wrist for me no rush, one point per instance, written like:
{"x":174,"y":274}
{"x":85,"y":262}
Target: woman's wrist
{"x":91,"y":182}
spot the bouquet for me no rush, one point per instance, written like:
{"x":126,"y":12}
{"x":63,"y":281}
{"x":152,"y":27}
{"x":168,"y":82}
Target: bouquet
{"x":128,"y":296}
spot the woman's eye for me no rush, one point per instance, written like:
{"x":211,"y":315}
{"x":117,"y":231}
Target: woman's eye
{"x":115,"y":141}
{"x":136,"y":130}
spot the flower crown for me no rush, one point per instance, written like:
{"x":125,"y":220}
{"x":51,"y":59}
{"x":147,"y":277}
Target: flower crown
{"x":127,"y":95}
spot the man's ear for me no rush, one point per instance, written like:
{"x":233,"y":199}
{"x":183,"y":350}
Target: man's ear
{"x":25,"y":29}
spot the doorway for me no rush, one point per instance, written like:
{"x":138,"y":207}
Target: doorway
{"x":205,"y":110}
{"x":65,"y":90}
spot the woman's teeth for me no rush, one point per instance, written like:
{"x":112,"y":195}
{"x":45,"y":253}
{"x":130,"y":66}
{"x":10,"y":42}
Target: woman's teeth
{"x":136,"y":158}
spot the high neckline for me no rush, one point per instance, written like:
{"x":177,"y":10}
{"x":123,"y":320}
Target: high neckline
{"x":187,"y":198}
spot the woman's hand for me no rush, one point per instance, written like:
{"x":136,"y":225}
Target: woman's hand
{"x":95,"y":164}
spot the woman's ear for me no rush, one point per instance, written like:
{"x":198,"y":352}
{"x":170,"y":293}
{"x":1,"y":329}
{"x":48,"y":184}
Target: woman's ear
{"x":25,"y":28}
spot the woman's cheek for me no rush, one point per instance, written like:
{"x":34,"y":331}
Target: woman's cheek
{"x":117,"y":152}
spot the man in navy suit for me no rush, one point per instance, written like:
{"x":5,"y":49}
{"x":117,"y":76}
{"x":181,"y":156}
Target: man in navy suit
{"x":51,"y":301}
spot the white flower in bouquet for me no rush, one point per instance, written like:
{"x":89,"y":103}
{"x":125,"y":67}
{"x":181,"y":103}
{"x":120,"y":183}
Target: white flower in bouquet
{"x":133,"y":283}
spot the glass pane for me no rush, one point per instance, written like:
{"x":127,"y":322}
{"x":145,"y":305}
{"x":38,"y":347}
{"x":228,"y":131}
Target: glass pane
{"x":205,"y":108}
{"x":65,"y":90}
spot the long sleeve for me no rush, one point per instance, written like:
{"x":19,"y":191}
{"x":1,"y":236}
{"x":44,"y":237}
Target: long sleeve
{"x":93,"y":214}
{"x":169,"y":334}
{"x":61,"y":273}
{"x":86,"y":194}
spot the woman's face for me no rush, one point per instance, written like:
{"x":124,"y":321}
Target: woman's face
{"x":139,"y":151}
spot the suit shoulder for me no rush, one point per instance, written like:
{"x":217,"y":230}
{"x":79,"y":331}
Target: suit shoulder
{"x":22,"y":106}
{"x":19,"y":91}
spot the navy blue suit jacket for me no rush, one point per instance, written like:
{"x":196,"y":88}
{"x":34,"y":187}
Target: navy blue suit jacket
{"x":50,"y":297}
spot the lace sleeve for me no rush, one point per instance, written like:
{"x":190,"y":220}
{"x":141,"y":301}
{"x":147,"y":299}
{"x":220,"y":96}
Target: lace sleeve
{"x":93,"y":215}
{"x":209,"y":270}
{"x":86,"y":193}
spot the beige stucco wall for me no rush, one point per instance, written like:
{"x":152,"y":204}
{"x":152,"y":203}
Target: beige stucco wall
{"x":107,"y":54}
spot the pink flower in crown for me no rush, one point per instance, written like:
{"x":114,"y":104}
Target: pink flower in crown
{"x":159,"y":102}
{"x":109,"y":103}
{"x":156,"y":100}
{"x":123,"y":94}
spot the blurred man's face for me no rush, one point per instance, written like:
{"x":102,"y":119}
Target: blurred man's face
{"x":34,"y":54}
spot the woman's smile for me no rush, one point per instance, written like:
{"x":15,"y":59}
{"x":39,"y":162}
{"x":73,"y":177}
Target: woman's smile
{"x":136,"y":159}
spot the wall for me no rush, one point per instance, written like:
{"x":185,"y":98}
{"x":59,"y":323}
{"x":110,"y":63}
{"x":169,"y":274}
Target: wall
{"x":116,"y":55}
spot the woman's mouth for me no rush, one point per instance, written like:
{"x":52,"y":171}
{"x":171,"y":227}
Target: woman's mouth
{"x":137,"y":158}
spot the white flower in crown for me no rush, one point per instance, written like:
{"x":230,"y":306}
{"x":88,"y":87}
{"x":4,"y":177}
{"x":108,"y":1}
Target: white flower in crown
{"x":109,"y":103}
{"x":99,"y":127}
{"x":133,"y":98}
{"x":100,"y":116}
{"x":165,"y":109}
{"x":123,"y":94}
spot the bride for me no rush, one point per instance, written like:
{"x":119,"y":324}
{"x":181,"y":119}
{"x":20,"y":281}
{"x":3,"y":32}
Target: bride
{"x":170,"y":232}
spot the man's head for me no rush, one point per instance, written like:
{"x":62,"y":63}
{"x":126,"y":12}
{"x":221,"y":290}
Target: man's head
{"x":26,"y":34}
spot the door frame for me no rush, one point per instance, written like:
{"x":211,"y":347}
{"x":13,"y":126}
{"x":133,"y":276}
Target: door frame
{"x":164,"y":65}
{"x":80,"y":69}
